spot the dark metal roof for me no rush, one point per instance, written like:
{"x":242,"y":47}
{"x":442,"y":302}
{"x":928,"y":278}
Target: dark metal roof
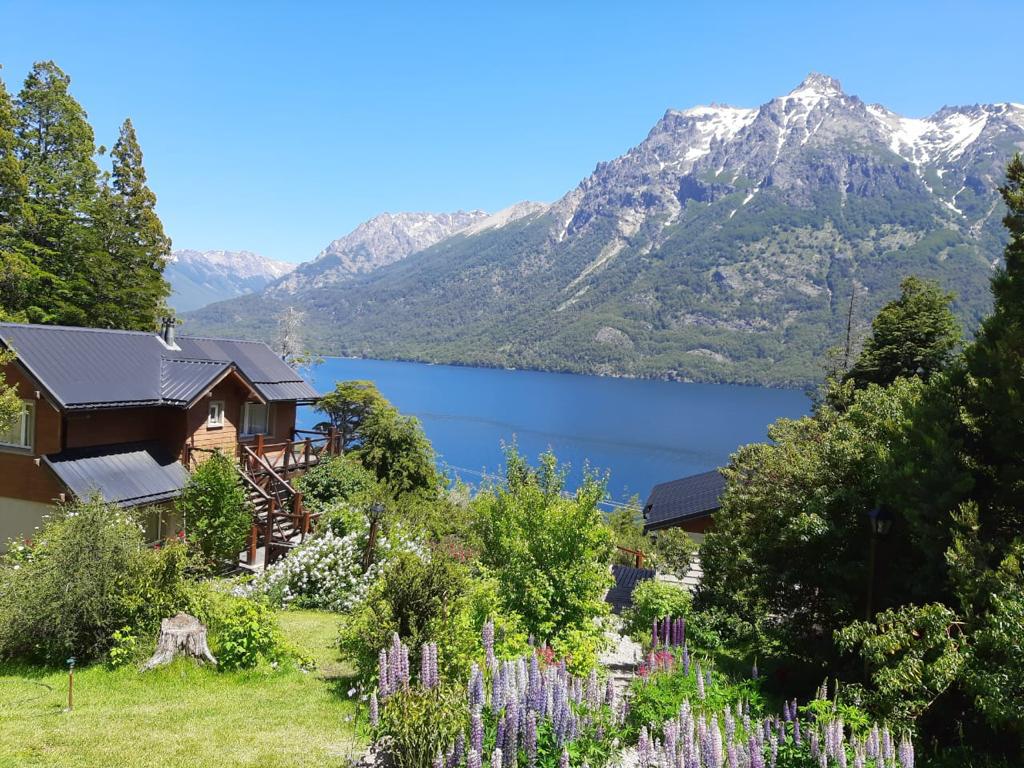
{"x":620,"y":596}
{"x":129,"y":474}
{"x":272,"y":377}
{"x":182,"y":381}
{"x":85,"y":368}
{"x":684,"y":499}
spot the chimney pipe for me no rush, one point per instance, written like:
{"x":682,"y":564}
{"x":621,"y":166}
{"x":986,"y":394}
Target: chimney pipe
{"x":167,"y":331}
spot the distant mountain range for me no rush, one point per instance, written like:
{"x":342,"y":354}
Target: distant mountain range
{"x":726,"y":246}
{"x":198,"y":278}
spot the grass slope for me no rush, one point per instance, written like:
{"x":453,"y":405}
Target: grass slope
{"x":184,"y":715}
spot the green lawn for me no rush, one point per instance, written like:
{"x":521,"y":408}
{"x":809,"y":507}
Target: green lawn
{"x":184,"y":715}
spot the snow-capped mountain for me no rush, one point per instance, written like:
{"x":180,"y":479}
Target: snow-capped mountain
{"x":199,"y":278}
{"x":375,"y":243}
{"x":727,"y":245}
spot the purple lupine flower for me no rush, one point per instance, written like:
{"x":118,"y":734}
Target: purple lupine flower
{"x":733,"y":756}
{"x":774,"y":744}
{"x":643,"y":748}
{"x":753,"y":672}
{"x":473,"y":759}
{"x":796,"y":730}
{"x":906,"y":752}
{"x":530,"y":737}
{"x":499,"y":732}
{"x":716,"y":741}
{"x":439,"y":761}
{"x":459,"y":750}
{"x":511,"y":744}
{"x":496,"y":758}
{"x":563,"y":761}
{"x":700,"y":682}
{"x":374,"y":709}
{"x":785,"y":711}
{"x":475,"y":694}
{"x":609,"y":692}
{"x":383,"y":676}
{"x":654,"y":633}
{"x":686,"y":659}
{"x":487,"y":635}
{"x":476,"y":731}
{"x":707,"y":754}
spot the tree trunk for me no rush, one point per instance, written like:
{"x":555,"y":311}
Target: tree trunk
{"x":183,"y":635}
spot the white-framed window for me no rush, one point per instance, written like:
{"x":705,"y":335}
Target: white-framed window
{"x":255,"y":419}
{"x":22,"y":433}
{"x":216,"y":414}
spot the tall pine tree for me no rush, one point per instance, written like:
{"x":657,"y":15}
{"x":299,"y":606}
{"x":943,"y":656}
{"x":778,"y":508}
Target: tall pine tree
{"x":16,"y":270}
{"x":132,"y":240}
{"x":56,"y":148}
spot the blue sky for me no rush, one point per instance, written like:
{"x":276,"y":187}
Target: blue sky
{"x":276,"y":128}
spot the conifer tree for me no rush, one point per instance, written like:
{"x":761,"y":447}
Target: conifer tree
{"x":56,"y":147}
{"x":133,"y":239}
{"x":16,"y":270}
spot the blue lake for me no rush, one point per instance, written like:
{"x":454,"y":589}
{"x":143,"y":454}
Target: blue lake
{"x":643,"y":432}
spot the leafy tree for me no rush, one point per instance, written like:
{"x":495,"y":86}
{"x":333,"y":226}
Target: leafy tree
{"x":916,"y":334}
{"x":549,"y":552}
{"x":216,"y":510}
{"x":396,"y":450}
{"x":347,"y":407}
{"x":992,"y":389}
{"x":10,"y":403}
{"x":674,"y":550}
{"x":788,"y":552}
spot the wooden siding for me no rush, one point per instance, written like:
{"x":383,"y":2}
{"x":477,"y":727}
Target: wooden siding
{"x":233,"y":394}
{"x":22,"y":474}
{"x":126,"y":425}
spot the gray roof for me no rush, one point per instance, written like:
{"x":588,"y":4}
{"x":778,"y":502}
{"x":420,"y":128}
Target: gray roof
{"x":85,"y":368}
{"x":128,"y":474}
{"x":620,"y":596}
{"x":685,"y":499}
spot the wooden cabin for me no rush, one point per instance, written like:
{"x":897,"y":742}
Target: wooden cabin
{"x":127,"y":414}
{"x":688,"y":503}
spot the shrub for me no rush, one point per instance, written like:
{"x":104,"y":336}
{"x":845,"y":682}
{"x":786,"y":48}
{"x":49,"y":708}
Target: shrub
{"x":419,"y":723}
{"x":340,"y":478}
{"x":89,"y":574}
{"x":418,"y":597}
{"x":216,"y":511}
{"x":247,"y":635}
{"x":549,"y":553}
{"x":668,"y":678}
{"x":518,"y":712}
{"x":124,"y":647}
{"x":655,"y":600}
{"x":325,"y":572}
{"x":674,"y":551}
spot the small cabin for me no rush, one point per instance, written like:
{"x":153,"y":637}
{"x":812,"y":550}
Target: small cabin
{"x":126,"y":415}
{"x":688,"y":503}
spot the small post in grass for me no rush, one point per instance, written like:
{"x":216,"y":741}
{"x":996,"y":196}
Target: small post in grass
{"x":71,"y":683}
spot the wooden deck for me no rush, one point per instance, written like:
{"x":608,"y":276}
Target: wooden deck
{"x":280,"y":519}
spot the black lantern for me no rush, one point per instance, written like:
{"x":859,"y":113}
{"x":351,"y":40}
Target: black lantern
{"x":881,"y":520}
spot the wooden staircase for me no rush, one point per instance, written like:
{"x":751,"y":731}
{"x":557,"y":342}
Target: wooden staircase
{"x":280,"y":519}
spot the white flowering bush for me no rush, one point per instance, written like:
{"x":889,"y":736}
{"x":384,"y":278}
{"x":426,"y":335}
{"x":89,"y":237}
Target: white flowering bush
{"x":326,"y":572}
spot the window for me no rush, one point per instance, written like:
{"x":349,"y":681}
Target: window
{"x":255,"y":419}
{"x":22,"y":432}
{"x":216,"y":417}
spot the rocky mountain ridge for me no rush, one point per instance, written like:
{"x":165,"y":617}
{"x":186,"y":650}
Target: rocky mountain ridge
{"x":728,"y":245}
{"x":198,"y":278}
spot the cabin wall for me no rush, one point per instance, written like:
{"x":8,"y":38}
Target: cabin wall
{"x":127,"y":425}
{"x":22,"y":474}
{"x":202,"y":436}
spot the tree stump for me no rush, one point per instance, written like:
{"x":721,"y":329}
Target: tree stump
{"x":184,"y":635}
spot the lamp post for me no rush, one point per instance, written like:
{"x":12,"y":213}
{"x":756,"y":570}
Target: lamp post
{"x":880,"y":520}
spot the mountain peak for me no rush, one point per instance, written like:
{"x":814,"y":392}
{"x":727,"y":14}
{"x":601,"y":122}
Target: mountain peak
{"x":818,"y":84}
